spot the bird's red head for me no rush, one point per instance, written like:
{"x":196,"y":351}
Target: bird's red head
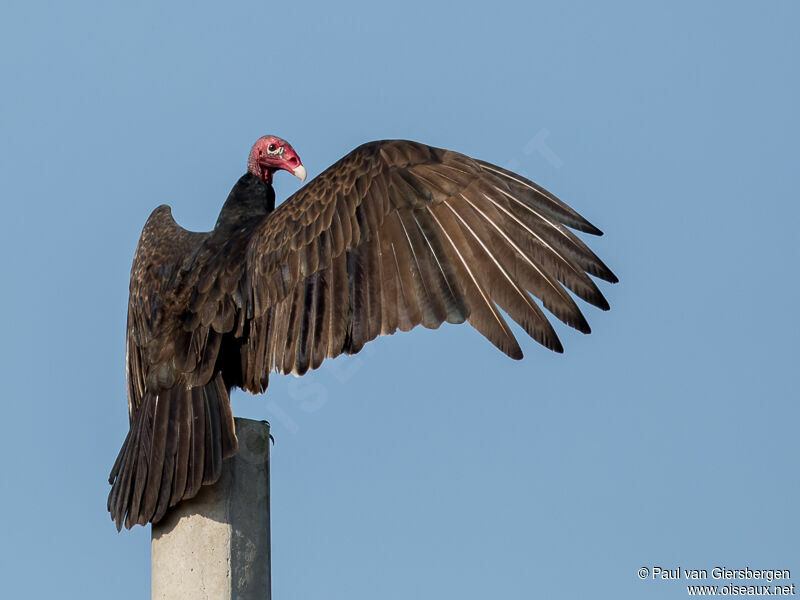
{"x":270,"y":154}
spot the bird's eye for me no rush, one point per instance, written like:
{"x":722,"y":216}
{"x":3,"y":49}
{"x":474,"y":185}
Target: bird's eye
{"x":271,"y":147}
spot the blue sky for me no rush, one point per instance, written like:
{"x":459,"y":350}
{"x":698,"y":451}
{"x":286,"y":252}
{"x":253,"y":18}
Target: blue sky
{"x":430,"y":465}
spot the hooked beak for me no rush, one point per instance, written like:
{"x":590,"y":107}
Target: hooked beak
{"x":300,"y":173}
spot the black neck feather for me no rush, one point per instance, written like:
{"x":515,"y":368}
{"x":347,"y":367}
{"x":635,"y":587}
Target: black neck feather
{"x":251,"y":198}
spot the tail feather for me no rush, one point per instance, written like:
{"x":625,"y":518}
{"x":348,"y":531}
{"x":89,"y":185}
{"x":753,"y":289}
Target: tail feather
{"x":168,"y":474}
{"x":213,"y":462}
{"x":197,"y":451}
{"x":184,"y":428}
{"x":177,"y":442}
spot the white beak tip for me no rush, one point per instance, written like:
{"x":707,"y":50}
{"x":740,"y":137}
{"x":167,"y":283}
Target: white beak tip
{"x":300,"y":173}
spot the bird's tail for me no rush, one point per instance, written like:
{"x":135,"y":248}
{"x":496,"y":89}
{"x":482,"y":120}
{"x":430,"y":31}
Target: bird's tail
{"x":176,"y":443}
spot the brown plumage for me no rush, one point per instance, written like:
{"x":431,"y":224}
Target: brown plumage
{"x":394,"y":235}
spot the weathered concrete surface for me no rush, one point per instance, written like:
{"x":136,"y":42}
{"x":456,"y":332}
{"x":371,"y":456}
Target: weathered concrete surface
{"x":217,"y":545}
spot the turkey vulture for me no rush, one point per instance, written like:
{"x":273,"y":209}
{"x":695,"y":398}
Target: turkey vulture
{"x":394,"y":235}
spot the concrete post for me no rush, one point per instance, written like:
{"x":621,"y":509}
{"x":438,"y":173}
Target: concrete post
{"x":217,"y":545}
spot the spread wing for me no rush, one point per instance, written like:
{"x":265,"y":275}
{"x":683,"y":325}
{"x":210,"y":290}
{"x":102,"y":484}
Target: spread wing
{"x":398,"y":234}
{"x":159,"y":266}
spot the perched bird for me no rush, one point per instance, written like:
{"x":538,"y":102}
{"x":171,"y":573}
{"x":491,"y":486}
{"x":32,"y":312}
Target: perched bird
{"x":394,"y":235}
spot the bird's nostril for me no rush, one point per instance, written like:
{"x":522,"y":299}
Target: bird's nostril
{"x":293,"y":161}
